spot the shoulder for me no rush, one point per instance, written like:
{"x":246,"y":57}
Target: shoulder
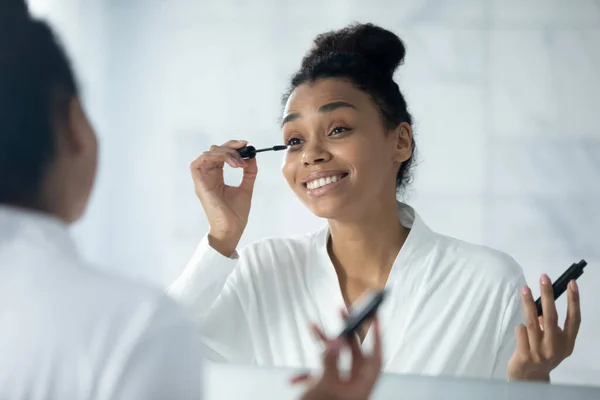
{"x":478,"y":259}
{"x":76,"y":303}
{"x":280,"y":249}
{"x":144,"y":334}
{"x":102,"y":295}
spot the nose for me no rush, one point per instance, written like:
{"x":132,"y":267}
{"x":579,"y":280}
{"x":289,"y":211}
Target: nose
{"x":315,"y":154}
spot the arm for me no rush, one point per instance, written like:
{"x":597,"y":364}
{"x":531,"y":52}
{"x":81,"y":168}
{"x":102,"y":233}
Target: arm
{"x":513,"y":316}
{"x":209,"y":287}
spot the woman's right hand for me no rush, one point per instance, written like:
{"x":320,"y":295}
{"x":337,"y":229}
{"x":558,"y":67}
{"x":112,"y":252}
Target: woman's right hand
{"x":364,"y":371}
{"x":226,"y":207}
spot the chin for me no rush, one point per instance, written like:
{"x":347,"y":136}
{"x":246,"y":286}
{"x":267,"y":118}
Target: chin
{"x":76,"y":215}
{"x":78,"y":209}
{"x":327,"y":208}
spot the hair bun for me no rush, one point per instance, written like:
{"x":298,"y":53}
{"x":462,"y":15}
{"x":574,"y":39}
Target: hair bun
{"x":380,"y":48}
{"x":13,"y":12}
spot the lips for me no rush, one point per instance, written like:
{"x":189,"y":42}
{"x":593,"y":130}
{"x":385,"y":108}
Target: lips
{"x":320,"y":182}
{"x":323,"y":179}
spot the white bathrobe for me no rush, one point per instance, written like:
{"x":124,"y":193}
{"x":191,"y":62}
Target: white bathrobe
{"x":451,"y":310}
{"x":68,"y":331}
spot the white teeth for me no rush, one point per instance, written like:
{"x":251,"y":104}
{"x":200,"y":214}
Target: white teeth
{"x":317,"y":183}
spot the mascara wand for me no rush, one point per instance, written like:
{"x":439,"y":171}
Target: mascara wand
{"x":251,"y":151}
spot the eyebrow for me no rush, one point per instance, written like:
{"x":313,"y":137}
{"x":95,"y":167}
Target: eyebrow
{"x":325,"y":108}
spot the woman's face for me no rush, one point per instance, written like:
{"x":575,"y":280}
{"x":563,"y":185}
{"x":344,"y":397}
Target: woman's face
{"x":341,"y":158}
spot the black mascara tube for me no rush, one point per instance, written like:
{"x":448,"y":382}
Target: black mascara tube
{"x":560,"y":285}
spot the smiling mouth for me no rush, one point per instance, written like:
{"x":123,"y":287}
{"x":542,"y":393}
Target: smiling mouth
{"x":321,"y":182}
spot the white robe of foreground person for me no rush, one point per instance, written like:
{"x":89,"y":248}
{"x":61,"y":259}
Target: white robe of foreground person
{"x":452,"y":307}
{"x":68,"y":331}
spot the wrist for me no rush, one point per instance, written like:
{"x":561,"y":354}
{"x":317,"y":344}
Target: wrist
{"x":223,"y":243}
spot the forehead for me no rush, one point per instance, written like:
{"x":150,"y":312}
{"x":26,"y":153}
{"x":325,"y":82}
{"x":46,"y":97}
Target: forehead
{"x":312,"y":95}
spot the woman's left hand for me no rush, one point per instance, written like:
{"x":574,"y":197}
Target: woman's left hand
{"x":541,"y":344}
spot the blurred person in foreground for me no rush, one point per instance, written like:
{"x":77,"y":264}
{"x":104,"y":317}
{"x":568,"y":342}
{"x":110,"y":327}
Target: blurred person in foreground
{"x":67,"y":330}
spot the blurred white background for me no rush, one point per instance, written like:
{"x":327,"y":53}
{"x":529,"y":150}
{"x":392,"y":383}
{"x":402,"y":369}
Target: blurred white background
{"x":505,"y":94}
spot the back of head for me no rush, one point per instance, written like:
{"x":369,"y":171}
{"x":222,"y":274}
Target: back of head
{"x":36,"y":85}
{"x":368,"y":56}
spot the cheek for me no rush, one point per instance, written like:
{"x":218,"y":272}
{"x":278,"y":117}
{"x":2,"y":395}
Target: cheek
{"x":289,"y":169}
{"x":354,"y":154}
{"x":366,"y":161}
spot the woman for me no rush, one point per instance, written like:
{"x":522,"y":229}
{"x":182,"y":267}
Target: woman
{"x":68,"y":331}
{"x":453,"y":306}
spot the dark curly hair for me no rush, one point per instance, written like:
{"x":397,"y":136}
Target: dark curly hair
{"x":368,"y":56}
{"x":36,"y":85}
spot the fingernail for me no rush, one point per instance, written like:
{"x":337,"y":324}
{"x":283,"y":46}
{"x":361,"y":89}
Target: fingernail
{"x":574,"y":286}
{"x":525,"y":290}
{"x":545,"y":280}
{"x":299,"y":378}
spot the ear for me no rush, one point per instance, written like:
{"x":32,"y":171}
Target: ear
{"x":70,"y":127}
{"x":403,"y":135}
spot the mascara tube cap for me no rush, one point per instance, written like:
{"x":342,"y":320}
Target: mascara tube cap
{"x":247,"y":152}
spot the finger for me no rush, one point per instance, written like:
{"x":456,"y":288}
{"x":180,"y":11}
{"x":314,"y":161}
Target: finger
{"x":550,"y":320}
{"x":548,"y":305}
{"x":357,"y":355}
{"x":203,"y":164}
{"x":523,"y":348}
{"x":318,"y":333}
{"x":235,"y":144}
{"x":358,"y":359}
{"x":534,"y":332}
{"x":301,"y":378}
{"x":231,"y":152}
{"x":573,"y":319}
{"x":250,"y":174}
{"x":330,"y":362}
{"x":353,"y":342}
{"x":232,"y":159}
{"x":212,"y":160}
{"x":344,"y":314}
{"x":375,"y":361}
{"x":195,"y":165}
{"x":377,"y":355}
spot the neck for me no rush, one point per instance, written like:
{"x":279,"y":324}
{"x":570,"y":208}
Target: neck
{"x":367,"y":247}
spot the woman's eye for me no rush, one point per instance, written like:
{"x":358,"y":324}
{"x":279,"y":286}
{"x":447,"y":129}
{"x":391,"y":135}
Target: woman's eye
{"x":293,"y":142}
{"x":338,"y":129}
